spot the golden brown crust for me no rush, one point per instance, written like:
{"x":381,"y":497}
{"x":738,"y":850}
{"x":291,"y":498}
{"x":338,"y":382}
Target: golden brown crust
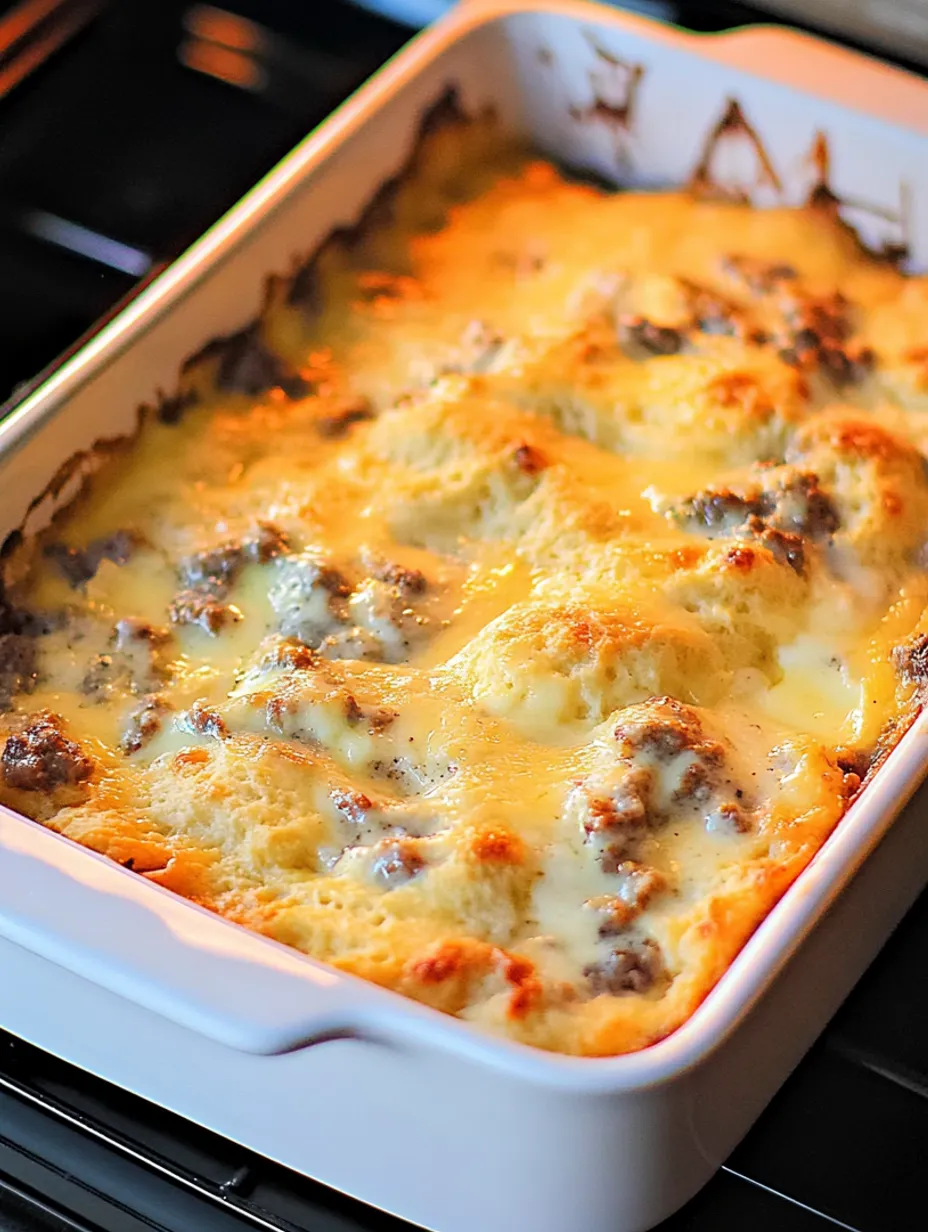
{"x":511,"y":614}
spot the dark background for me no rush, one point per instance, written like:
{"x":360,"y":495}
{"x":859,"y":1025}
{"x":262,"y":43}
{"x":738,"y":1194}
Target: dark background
{"x":130,"y":135}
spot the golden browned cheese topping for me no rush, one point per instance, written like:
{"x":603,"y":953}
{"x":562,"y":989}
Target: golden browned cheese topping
{"x":511,"y":614}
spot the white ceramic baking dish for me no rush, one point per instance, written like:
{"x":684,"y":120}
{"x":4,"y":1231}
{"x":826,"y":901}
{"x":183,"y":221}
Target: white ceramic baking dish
{"x":385,"y":1099}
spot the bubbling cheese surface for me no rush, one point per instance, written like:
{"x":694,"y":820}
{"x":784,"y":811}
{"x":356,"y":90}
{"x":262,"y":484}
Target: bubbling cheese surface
{"x":510,"y":616}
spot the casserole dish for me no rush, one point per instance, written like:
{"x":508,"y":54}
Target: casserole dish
{"x":228,"y":994}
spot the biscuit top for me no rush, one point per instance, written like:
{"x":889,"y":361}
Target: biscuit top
{"x":509,"y":616}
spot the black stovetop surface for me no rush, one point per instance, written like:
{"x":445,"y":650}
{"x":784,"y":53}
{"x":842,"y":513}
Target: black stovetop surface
{"x":116,"y":150}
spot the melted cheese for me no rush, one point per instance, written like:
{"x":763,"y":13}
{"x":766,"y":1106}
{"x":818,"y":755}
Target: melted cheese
{"x":534,"y":699}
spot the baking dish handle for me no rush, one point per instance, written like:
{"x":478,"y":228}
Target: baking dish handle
{"x":144,"y":943}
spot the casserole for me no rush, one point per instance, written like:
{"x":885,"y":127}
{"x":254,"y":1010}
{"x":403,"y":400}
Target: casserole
{"x":156,"y":973}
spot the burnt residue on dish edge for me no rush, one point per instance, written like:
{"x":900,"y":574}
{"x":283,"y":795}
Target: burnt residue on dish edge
{"x":615,"y":84}
{"x":241,"y":362}
{"x":732,"y":123}
{"x":303,"y":291}
{"x":821,"y":195}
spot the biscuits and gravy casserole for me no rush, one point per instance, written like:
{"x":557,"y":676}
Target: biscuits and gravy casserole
{"x":512,"y":612}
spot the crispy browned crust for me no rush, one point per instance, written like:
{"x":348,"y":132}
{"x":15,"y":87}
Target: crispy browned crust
{"x":546,"y":692}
